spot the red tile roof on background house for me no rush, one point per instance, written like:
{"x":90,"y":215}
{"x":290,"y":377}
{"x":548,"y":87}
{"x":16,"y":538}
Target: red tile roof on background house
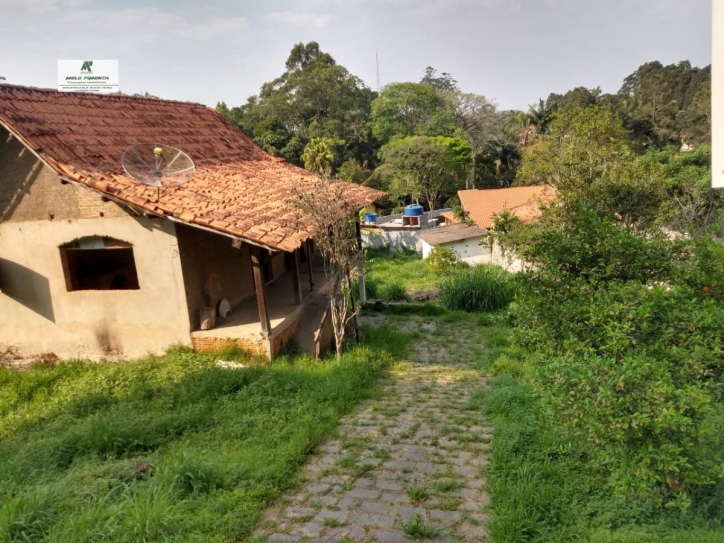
{"x":482,"y":205}
{"x":237,"y":188}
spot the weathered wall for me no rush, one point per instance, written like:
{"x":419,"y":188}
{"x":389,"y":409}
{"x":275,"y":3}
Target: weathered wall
{"x":38,"y":314}
{"x":396,"y":240}
{"x":205,"y":253}
{"x":464,"y":249}
{"x":31,"y":191}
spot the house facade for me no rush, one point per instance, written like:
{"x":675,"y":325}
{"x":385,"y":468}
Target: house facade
{"x":95,"y":265}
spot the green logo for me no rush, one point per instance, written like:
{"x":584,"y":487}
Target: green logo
{"x":86,"y":68}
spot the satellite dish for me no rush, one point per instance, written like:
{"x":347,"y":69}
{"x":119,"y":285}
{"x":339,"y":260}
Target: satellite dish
{"x":160,"y":166}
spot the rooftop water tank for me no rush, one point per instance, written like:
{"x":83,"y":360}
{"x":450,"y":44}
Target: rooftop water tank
{"x":413,"y":210}
{"x":370,"y":217}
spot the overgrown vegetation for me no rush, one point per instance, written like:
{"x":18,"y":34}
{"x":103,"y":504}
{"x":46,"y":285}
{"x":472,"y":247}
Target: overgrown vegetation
{"x":479,"y":288}
{"x":610,"y":409}
{"x":168,"y":448}
{"x":397,"y":276}
{"x":546,"y":486}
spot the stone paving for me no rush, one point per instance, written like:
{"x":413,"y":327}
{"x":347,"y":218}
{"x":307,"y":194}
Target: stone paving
{"x":407,"y":466}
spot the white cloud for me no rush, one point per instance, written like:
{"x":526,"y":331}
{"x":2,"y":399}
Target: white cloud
{"x":42,"y":5}
{"x":301,"y":18}
{"x":152,"y":24}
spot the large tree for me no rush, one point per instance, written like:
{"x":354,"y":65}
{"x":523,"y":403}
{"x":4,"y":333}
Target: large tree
{"x":587,"y":158}
{"x":407,"y":109}
{"x":314,"y":98}
{"x":426,"y":168}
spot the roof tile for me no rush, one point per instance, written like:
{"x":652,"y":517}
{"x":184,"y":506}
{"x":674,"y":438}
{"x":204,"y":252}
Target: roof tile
{"x":524,"y":202}
{"x":83,"y":136}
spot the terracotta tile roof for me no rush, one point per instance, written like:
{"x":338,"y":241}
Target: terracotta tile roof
{"x":237,"y":189}
{"x":524,"y":202}
{"x":452,"y":232}
{"x":449,"y":215}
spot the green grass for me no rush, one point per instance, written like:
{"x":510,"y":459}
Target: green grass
{"x":419,"y":529}
{"x":543,"y":488}
{"x":167,"y":448}
{"x":397,"y":276}
{"x":479,"y":288}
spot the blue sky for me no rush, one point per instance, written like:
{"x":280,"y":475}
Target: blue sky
{"x":512,"y":51}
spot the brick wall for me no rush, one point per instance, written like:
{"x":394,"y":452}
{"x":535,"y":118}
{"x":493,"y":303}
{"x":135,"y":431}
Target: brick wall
{"x":31,"y":191}
{"x":253,"y":346}
{"x":284,"y":336}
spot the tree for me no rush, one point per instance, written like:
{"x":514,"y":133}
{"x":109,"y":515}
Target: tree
{"x":442,"y":84}
{"x":326,"y":217}
{"x":541,"y":115}
{"x":314,"y":98}
{"x":692,"y":204}
{"x":426,"y":168}
{"x":665,"y":97}
{"x":405,"y":109}
{"x":319,"y":156}
{"x":586,"y":157}
{"x":479,"y":120}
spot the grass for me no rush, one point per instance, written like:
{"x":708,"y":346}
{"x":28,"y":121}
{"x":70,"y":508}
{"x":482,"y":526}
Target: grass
{"x":480,"y":288}
{"x":168,"y":448}
{"x":418,"y":494}
{"x":419,"y":529}
{"x":542,"y":488}
{"x":400,"y":276}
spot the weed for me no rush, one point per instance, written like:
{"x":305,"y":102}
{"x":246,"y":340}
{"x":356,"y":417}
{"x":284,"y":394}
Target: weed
{"x":418,"y":494}
{"x":420,"y":529}
{"x":331,"y":522}
{"x":448,"y":485}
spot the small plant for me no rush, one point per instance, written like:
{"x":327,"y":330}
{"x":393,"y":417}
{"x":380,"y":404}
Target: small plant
{"x":418,"y":494}
{"x":442,"y":260}
{"x":331,"y":522}
{"x":448,"y":485}
{"x":420,"y":529}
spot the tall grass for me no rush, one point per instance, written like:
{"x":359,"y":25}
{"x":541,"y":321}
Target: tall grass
{"x":397,"y":276}
{"x":479,"y":288}
{"x":168,"y":448}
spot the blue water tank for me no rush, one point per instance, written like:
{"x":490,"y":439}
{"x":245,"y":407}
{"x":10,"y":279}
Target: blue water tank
{"x":413,"y":210}
{"x":371,"y":217}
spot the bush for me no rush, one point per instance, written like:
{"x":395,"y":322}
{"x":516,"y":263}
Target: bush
{"x":393,"y":292}
{"x":625,"y":333}
{"x":479,"y":288}
{"x":442,"y":260}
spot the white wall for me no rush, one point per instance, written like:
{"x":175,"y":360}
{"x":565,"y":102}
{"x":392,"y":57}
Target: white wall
{"x":38,"y":314}
{"x":396,"y":240}
{"x":464,"y":249}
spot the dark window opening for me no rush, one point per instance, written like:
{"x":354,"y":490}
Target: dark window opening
{"x":97,"y":263}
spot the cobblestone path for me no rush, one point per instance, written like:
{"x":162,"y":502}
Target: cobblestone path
{"x":408,"y":465}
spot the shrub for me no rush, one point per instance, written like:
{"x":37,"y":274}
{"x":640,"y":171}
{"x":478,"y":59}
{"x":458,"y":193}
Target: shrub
{"x":393,"y":292}
{"x":442,"y":260}
{"x":479,"y":288}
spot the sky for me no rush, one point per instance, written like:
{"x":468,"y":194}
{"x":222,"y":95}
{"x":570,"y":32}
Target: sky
{"x":511,"y":51}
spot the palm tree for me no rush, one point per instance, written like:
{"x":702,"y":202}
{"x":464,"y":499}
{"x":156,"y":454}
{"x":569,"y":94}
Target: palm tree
{"x":541,"y":115}
{"x":319,"y":156}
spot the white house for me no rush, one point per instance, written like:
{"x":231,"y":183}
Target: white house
{"x":465,"y":242}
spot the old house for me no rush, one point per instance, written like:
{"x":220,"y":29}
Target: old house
{"x":94,"y":264}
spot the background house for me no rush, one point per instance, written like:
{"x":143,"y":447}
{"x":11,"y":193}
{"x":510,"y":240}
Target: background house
{"x":462,"y":239}
{"x":93,"y":264}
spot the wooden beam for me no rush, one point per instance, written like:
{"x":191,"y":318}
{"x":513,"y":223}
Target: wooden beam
{"x":296,"y":281}
{"x":308,"y":249}
{"x":260,"y":291}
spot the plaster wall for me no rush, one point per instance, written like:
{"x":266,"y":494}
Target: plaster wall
{"x":463,"y":249}
{"x":31,"y":191}
{"x":38,"y":314}
{"x":204,"y":254}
